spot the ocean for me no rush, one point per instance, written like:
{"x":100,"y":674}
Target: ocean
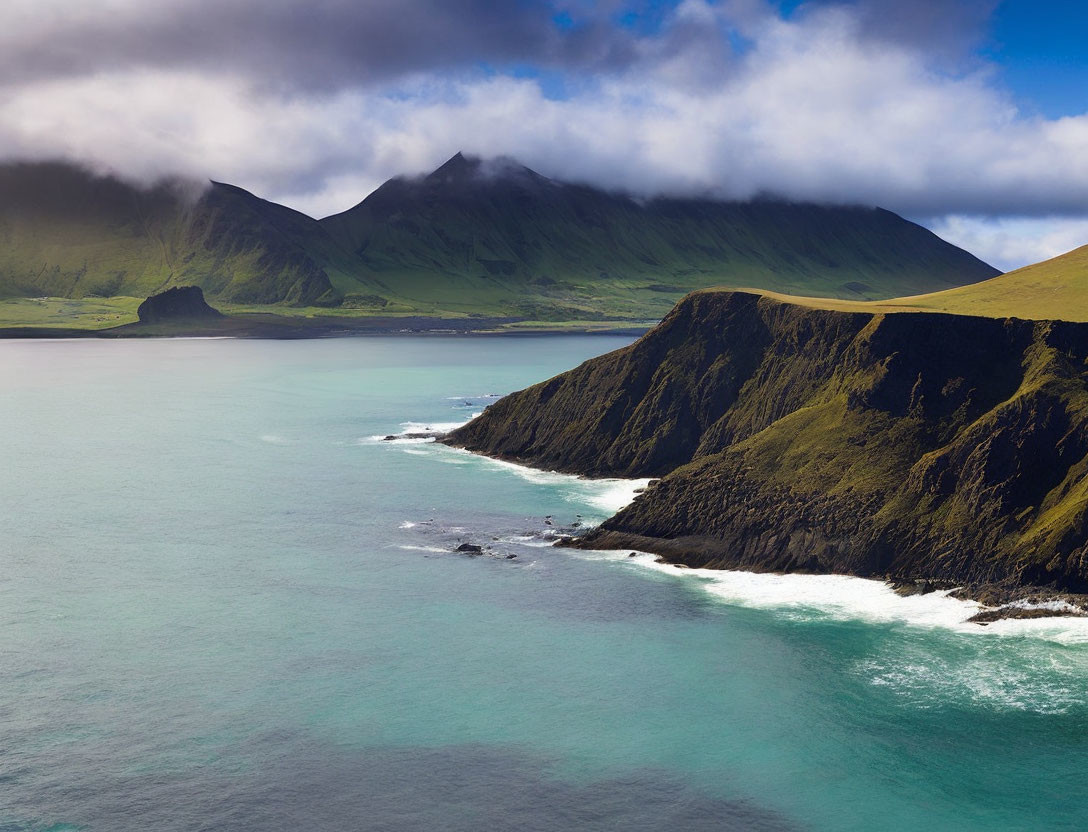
{"x":227,"y":604}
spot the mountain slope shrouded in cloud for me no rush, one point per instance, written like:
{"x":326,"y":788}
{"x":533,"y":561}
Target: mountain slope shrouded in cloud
{"x":473,"y":237}
{"x":68,"y":233}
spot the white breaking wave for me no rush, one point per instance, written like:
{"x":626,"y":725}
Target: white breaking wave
{"x":404,"y":435}
{"x":409,"y":548}
{"x":843,"y":597}
{"x":609,"y":495}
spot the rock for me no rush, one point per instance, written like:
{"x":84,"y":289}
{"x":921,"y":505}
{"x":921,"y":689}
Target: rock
{"x":511,"y":557}
{"x":1001,"y":613}
{"x":430,"y":434}
{"x":182,"y":303}
{"x":470,"y":549}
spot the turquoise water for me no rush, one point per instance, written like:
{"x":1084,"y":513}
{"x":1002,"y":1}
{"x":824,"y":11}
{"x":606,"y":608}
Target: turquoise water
{"x":224,"y":605}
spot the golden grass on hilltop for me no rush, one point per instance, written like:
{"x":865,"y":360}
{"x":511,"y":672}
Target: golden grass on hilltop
{"x":1055,"y":289}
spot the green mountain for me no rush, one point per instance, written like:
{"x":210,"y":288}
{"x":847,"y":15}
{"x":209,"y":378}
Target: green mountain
{"x":498,"y":234}
{"x":474,"y":238}
{"x":67,"y":233}
{"x":911,"y":446}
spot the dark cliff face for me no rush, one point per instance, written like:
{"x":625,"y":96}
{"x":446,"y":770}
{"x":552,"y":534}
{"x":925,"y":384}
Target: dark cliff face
{"x":907,"y":445}
{"x":182,"y":303}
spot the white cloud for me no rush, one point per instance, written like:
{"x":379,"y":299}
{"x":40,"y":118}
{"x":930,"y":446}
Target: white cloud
{"x":813,"y":110}
{"x":1011,"y":242}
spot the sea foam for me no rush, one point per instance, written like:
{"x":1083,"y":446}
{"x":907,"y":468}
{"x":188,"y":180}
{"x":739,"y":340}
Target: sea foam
{"x":844,"y":597}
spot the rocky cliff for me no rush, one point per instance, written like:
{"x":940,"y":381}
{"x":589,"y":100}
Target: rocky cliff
{"x":182,"y":303}
{"x":904,"y":445}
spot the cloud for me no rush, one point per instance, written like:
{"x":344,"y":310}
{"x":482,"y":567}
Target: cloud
{"x":316,"y":45}
{"x":1009,"y":243}
{"x":320,"y":103}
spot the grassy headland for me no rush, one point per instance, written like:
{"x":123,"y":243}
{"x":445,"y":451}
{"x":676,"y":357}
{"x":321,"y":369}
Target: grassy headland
{"x":926,"y":447}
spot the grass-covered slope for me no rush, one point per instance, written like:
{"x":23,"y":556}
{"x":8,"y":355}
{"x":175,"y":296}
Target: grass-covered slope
{"x":495,"y":236}
{"x":1055,"y":289}
{"x":67,"y":233}
{"x":792,"y":438}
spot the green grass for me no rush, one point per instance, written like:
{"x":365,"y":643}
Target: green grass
{"x":77,"y":313}
{"x":1053,"y":290}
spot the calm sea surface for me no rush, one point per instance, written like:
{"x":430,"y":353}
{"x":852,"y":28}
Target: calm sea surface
{"x":225,"y":606}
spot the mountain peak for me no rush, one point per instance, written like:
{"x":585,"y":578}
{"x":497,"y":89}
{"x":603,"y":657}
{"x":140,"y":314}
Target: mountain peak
{"x":460,"y":169}
{"x":457,"y":168}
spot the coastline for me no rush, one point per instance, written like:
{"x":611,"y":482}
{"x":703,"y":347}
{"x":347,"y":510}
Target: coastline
{"x":989,"y":603}
{"x":283,"y":327}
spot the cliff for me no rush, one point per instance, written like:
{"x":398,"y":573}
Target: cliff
{"x":901,"y":445}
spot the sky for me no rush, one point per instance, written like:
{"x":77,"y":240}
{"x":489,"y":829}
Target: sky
{"x":969,"y":116}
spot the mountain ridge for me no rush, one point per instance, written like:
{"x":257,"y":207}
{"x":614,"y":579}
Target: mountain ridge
{"x":474,"y":237}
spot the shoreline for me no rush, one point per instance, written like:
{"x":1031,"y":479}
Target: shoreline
{"x":286,"y":328}
{"x":995,"y":602}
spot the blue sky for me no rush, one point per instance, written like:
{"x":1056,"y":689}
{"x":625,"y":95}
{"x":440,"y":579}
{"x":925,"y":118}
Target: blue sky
{"x":1042,"y":52}
{"x":970,"y":116}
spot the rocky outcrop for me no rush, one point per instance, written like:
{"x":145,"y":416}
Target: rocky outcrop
{"x":182,"y":303}
{"x":911,"y":446}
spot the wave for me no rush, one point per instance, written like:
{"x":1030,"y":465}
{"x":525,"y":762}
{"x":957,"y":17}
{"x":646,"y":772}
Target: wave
{"x":609,"y":495}
{"x":844,"y":597}
{"x":405,"y":434}
{"x":1038,"y":680}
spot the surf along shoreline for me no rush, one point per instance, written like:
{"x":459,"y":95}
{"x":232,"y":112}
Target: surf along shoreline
{"x":981,"y":606}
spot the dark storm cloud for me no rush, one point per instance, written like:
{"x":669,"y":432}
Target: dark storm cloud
{"x":316,"y":44}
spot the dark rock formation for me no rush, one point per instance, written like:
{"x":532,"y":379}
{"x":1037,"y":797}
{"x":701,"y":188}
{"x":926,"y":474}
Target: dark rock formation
{"x":912,"y":446}
{"x":182,"y":303}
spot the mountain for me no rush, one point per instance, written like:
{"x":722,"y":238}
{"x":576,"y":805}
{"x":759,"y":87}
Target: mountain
{"x":496,"y":232}
{"x":472,"y":238}
{"x":910,"y":446}
{"x":67,"y":233}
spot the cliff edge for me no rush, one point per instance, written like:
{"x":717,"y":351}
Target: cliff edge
{"x":908,"y":446}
